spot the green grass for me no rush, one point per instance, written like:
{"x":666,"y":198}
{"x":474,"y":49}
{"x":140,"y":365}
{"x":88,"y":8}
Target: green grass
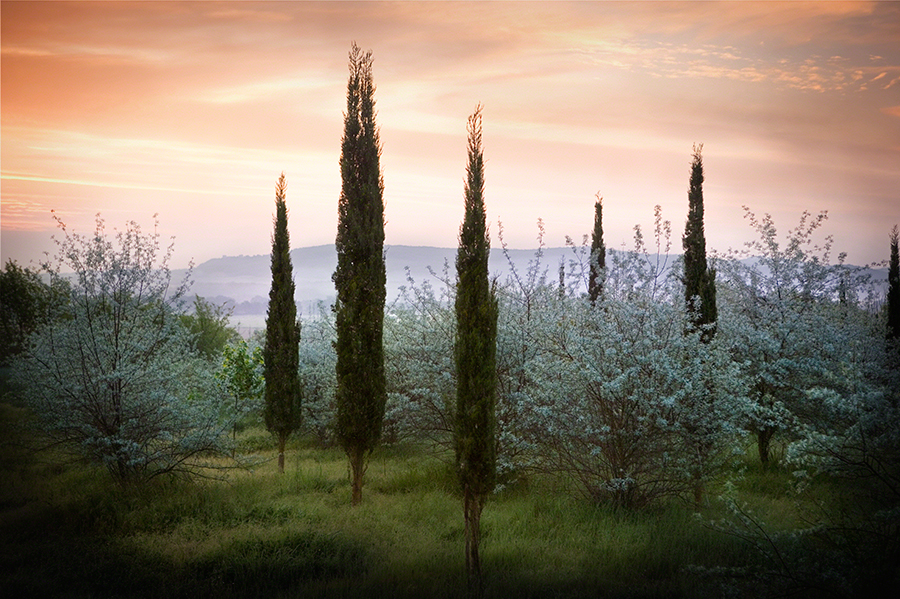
{"x":69,"y":531}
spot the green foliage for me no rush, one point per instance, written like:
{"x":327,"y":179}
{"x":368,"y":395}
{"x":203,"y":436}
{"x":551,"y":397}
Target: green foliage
{"x":699,"y":280}
{"x":281,"y":357}
{"x":475,"y":357}
{"x":209,"y":328}
{"x":242,"y":377}
{"x":360,"y":276}
{"x":598,"y":254}
{"x":26,"y":303}
{"x":476,"y":334}
{"x":112,"y":378}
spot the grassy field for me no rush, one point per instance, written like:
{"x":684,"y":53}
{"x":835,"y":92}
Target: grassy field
{"x":69,"y":531}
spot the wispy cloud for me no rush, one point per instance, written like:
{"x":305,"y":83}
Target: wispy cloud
{"x":266,"y":90}
{"x":198,"y":107}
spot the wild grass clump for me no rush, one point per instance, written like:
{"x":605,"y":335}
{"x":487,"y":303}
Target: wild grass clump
{"x":258,"y":565}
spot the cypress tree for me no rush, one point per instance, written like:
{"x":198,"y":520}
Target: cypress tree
{"x":475,"y":355}
{"x":894,"y":288}
{"x":598,"y":254}
{"x":281,"y":355}
{"x":360,"y":277}
{"x":699,"y":280}
{"x":700,"y":301}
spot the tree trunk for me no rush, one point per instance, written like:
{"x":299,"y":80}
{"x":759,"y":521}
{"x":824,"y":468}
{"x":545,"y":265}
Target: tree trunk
{"x":120,"y":471}
{"x":358,"y":468}
{"x":472,"y":507}
{"x":703,"y":450}
{"x":698,"y":488}
{"x":763,"y":438}
{"x":282,"y":438}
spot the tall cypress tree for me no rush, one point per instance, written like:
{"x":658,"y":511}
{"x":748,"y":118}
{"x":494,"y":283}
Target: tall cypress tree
{"x":699,"y":280}
{"x":360,"y":276}
{"x":700,"y":300}
{"x":894,"y":287}
{"x":282,"y":352}
{"x":598,"y":254}
{"x":475,"y":355}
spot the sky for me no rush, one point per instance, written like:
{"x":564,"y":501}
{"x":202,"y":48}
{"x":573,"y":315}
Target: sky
{"x":191,"y":110}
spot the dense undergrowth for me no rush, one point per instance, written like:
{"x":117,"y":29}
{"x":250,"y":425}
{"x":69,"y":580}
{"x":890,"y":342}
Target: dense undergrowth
{"x":70,"y":530}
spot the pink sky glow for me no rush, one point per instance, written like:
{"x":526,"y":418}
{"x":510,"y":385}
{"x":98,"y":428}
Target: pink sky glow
{"x":192,"y":110}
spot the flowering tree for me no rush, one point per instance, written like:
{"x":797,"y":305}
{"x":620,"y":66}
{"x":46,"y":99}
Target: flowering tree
{"x":525,"y":298}
{"x":608,"y":393}
{"x":112,"y":378}
{"x":836,"y":382}
{"x":317,"y":363}
{"x":419,"y":333}
{"x":784,"y":322}
{"x":624,"y":401}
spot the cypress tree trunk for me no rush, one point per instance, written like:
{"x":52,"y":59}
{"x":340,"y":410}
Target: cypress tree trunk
{"x":357,"y":469}
{"x":473,"y":505}
{"x":282,"y":439}
{"x":763,"y":440}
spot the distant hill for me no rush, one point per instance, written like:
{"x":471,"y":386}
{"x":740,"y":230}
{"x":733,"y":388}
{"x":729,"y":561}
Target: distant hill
{"x":243,"y":281}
